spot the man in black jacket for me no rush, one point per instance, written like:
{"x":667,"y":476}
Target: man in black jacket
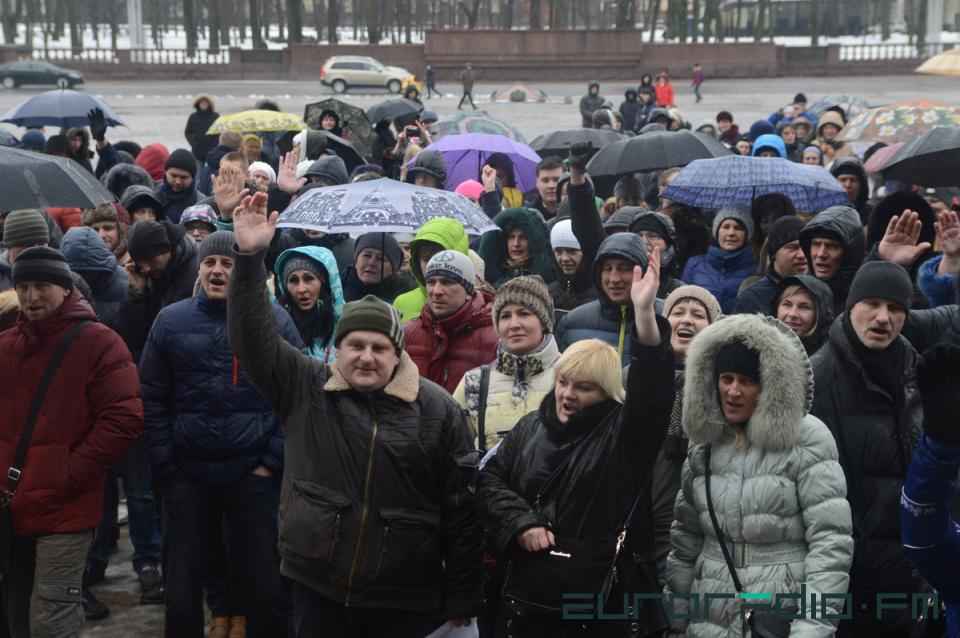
{"x":590,"y":103}
{"x":865,"y":391}
{"x":833,"y":242}
{"x":378,"y":528}
{"x":786,"y":260}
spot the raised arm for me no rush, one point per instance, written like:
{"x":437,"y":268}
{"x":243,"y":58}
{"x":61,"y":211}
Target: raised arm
{"x":281,"y":373}
{"x":585,"y":220}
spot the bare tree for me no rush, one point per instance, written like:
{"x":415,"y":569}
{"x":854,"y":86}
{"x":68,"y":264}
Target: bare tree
{"x":884,"y":11}
{"x":472,"y":9}
{"x":256,"y":29}
{"x":333,"y":20}
{"x":626,"y":14}
{"x":506,"y":14}
{"x":76,"y":28}
{"x":190,"y":26}
{"x":814,"y":23}
{"x":9,"y":19}
{"x":373,"y":21}
{"x":536,"y":15}
{"x":294,"y":21}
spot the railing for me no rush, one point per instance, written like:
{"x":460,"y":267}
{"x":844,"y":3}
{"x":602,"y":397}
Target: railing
{"x":901,"y":51}
{"x":108,"y":56}
{"x":179,"y":56}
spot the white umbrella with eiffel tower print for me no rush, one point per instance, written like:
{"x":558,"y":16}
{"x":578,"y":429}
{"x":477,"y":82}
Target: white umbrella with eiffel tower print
{"x":381,"y":205}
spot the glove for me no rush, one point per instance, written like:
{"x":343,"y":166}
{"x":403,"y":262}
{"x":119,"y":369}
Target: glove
{"x":938,"y":377}
{"x":580,"y":154}
{"x":98,"y":125}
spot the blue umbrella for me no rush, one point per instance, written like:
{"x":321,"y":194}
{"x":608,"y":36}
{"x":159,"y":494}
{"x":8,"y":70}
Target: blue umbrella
{"x":714,"y":183}
{"x":61,"y":107}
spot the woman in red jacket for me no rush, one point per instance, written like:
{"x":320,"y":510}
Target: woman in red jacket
{"x":665,"y":94}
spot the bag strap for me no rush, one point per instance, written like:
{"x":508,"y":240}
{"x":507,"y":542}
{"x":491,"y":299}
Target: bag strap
{"x":716,"y":527}
{"x":482,"y":408}
{"x":16,"y":470}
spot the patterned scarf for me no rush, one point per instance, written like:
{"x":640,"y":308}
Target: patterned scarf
{"x":675,"y":446}
{"x":521,"y":367}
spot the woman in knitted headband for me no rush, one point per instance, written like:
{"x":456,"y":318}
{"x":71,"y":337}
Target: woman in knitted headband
{"x":307,"y":285}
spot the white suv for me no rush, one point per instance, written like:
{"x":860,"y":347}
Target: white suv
{"x":346,"y":71}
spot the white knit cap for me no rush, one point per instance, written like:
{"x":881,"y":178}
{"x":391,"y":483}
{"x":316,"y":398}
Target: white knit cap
{"x":264,"y":167}
{"x":562,"y":235}
{"x":452,"y":265}
{"x":303,"y":167}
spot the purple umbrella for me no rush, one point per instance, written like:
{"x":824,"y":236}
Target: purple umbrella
{"x":465,"y":155}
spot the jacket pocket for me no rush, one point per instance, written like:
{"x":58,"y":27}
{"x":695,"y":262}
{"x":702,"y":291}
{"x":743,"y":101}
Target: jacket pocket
{"x":310,"y":524}
{"x":408,"y":548}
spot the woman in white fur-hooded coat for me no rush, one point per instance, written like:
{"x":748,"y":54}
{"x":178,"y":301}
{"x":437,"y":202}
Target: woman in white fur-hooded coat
{"x":779,"y":494}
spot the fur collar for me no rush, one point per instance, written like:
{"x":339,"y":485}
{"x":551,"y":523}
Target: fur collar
{"x":405,"y":384}
{"x":786,"y":377}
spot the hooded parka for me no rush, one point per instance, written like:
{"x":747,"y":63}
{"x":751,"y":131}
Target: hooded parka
{"x":444,"y":232}
{"x":823,"y":299}
{"x":780,"y":502}
{"x":603,"y":319}
{"x":91,"y":258}
{"x":843,"y":224}
{"x":493,"y":249}
{"x":198,"y":124}
{"x":590,"y":103}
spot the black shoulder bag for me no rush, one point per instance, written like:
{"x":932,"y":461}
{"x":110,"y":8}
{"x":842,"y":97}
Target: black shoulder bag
{"x":16,"y":470}
{"x":761,"y":623}
{"x":539,"y":580}
{"x":482,"y":409}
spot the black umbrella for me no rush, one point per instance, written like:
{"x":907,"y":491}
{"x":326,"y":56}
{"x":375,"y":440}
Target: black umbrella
{"x":933,"y":159}
{"x":353,"y":122}
{"x":33,"y":180}
{"x":558,"y":143}
{"x":345,"y":150}
{"x":654,"y":151}
{"x":392,"y":109}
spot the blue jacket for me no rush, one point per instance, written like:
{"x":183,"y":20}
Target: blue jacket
{"x":92,"y":259}
{"x":323,"y":351}
{"x":940,"y":290}
{"x":201,"y":412}
{"x":758,"y":296}
{"x":721,"y":273}
{"x":927,"y":529}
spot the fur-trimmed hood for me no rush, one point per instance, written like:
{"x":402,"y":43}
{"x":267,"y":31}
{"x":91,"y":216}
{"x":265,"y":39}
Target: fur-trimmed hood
{"x":405,"y":384}
{"x":204,"y":96}
{"x":786,"y":377}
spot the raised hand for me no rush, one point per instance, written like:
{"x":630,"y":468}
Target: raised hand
{"x":643,"y":293}
{"x":899,"y":243}
{"x":948,"y":232}
{"x":579,"y":154}
{"x":252,"y":225}
{"x":938,"y":379}
{"x":228,"y":189}
{"x":98,"y":124}
{"x":489,"y":178}
{"x":287,"y":175}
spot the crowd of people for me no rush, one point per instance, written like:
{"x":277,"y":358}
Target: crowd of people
{"x":382,"y":434}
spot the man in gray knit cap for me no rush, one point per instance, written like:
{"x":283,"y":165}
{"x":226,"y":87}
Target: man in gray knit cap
{"x":379,"y":532}
{"x":23,"y":229}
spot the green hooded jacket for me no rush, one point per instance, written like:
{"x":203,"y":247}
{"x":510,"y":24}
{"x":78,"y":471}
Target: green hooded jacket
{"x":441,"y":230}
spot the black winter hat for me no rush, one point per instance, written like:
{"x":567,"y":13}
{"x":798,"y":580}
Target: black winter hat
{"x":147,"y":239}
{"x":384,"y":242}
{"x":800,"y":97}
{"x":330,"y":168}
{"x":627,"y":186}
{"x":182,"y":159}
{"x":782,"y":232}
{"x":881,"y":280}
{"x":42,"y":264}
{"x":724,"y":115}
{"x":737,"y":357}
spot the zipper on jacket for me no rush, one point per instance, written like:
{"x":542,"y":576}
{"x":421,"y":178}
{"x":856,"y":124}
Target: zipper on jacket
{"x":623,"y":329}
{"x":235,"y":363}
{"x":367,"y":483}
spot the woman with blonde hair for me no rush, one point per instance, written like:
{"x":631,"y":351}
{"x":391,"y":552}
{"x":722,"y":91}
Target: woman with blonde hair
{"x":763,"y":503}
{"x":565,"y":496}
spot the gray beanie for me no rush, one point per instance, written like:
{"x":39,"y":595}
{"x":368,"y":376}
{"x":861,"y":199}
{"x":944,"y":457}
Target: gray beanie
{"x":737,"y":212}
{"x":302,"y":262}
{"x":25,"y":227}
{"x":881,"y":280}
{"x":528,"y":291}
{"x":453,"y":265}
{"x":217,"y":243}
{"x":701,"y":295}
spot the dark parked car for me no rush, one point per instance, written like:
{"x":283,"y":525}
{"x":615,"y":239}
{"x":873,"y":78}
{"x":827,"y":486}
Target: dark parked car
{"x":23,"y":72}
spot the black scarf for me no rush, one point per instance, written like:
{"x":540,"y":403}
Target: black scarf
{"x":883,"y":367}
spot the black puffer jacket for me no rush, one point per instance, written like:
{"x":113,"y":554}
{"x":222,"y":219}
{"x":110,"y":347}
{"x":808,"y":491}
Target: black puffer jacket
{"x":853,"y":166}
{"x":590,"y":103}
{"x":611,"y":449}
{"x":138,"y":310}
{"x":841,"y":223}
{"x":876,"y":435}
{"x":572,"y":291}
{"x":376,"y":508}
{"x":198,"y":124}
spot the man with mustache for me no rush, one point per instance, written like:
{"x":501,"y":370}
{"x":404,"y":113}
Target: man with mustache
{"x":834,"y":244}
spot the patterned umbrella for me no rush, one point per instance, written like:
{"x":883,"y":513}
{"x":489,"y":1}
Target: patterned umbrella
{"x":900,"y":122}
{"x":473,"y":122}
{"x":852,"y":106}
{"x":257,"y":120}
{"x":353,"y":122}
{"x":736,"y":179}
{"x":381,"y":205}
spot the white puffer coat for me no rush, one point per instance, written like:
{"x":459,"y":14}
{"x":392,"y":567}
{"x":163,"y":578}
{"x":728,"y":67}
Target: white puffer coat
{"x":781,"y":502}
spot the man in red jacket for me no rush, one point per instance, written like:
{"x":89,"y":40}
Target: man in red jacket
{"x":454,"y":332}
{"x":91,"y":414}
